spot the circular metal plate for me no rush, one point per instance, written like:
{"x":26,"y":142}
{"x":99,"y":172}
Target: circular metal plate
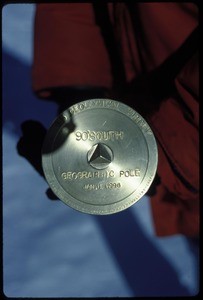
{"x":99,"y":156}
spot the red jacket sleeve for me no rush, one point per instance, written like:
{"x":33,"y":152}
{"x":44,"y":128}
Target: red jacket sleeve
{"x":175,"y":206}
{"x":68,"y":48}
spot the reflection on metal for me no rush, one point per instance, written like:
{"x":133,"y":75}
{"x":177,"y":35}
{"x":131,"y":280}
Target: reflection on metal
{"x":99,"y":156}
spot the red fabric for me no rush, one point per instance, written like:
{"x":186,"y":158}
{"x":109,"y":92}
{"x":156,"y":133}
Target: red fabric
{"x":176,"y":206}
{"x":70,"y":50}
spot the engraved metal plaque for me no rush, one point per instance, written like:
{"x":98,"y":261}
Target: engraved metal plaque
{"x":99,"y":156}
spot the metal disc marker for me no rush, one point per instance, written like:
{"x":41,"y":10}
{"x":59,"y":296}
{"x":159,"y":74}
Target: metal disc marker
{"x":99,"y":156}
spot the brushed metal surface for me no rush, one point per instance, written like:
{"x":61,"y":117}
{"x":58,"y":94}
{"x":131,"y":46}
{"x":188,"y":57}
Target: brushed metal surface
{"x":99,"y":156}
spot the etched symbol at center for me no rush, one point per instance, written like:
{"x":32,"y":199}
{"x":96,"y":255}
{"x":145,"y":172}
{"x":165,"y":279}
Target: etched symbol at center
{"x":100,"y":156}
